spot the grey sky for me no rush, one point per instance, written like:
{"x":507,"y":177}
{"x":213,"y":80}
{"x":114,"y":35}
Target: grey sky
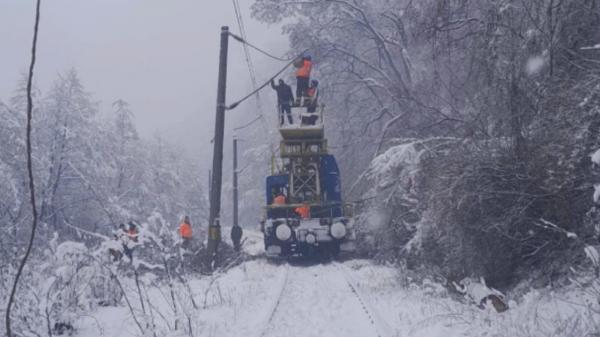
{"x":160,"y":56}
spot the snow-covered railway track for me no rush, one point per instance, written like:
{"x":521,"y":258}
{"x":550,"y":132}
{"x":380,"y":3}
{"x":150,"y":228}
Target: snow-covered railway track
{"x":381,"y":327}
{"x":275,"y":303}
{"x":321,"y":301}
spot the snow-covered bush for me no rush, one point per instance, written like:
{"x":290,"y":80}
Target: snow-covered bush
{"x":467,"y":209}
{"x":70,"y":288}
{"x":92,"y":172}
{"x":392,"y":208}
{"x":69,"y":280}
{"x":520,"y":99}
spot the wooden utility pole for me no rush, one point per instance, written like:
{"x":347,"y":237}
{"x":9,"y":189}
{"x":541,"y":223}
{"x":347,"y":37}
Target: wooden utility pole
{"x":214,"y":226}
{"x":236,"y":230}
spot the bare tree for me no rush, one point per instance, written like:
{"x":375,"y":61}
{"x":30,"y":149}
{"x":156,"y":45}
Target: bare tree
{"x":30,"y":173}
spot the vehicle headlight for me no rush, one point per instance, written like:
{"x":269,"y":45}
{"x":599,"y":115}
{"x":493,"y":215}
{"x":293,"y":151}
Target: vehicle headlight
{"x":311,"y":239}
{"x":283,"y":232}
{"x":338,"y":230}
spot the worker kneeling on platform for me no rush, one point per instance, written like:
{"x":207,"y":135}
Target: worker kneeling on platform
{"x":311,"y":104}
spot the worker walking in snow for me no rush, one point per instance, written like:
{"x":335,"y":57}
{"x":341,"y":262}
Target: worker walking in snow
{"x":285,"y":99}
{"x":303,"y":77}
{"x":132,"y":234}
{"x":185,"y":231}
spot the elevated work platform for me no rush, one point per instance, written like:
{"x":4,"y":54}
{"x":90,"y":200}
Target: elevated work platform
{"x":302,"y":132}
{"x":307,"y":125}
{"x":303,"y":147}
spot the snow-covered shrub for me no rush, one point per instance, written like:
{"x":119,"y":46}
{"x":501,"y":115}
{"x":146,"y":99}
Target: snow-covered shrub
{"x":467,"y":209}
{"x":68,"y":280}
{"x":92,"y":172}
{"x":522,"y":108}
{"x":70,"y":270}
{"x":392,"y":210}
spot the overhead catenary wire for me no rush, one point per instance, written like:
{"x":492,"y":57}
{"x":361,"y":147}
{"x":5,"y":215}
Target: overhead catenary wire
{"x":242,"y":27}
{"x":235,"y":104}
{"x":249,"y":123}
{"x":251,"y":70}
{"x":242,"y":40}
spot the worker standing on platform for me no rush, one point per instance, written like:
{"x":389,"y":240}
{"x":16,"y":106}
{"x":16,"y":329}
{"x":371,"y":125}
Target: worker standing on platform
{"x":285,"y":98}
{"x":303,"y":77}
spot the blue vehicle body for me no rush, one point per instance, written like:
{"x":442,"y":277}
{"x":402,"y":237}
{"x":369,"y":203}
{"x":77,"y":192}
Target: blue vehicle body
{"x":331,"y":190}
{"x":310,"y":216}
{"x":331,"y":185}
{"x":276,"y":183}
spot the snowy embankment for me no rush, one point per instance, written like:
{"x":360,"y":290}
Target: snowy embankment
{"x":354,"y":298}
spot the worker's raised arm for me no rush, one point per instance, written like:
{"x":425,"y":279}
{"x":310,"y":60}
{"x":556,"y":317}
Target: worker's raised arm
{"x":273,"y":84}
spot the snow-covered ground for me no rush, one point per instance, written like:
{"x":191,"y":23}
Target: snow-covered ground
{"x":353,"y":298}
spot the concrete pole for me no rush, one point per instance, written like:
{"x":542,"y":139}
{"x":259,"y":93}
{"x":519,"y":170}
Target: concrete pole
{"x":214,"y":226}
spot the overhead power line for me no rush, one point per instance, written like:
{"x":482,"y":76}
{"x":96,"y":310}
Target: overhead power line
{"x":244,"y":40}
{"x":255,"y":91}
{"x":240,"y":22}
{"x":259,"y":49}
{"x":251,"y":70}
{"x":249,"y":123}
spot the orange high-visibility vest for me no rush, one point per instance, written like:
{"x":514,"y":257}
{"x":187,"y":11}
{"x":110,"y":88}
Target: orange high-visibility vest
{"x":304,"y":71}
{"x":185,"y":230}
{"x":279,"y":200}
{"x":303,"y":211}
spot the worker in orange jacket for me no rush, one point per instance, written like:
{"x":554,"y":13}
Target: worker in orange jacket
{"x":133,"y":232}
{"x":303,"y":211}
{"x":279,"y":199}
{"x":185,"y":231}
{"x":303,"y":77}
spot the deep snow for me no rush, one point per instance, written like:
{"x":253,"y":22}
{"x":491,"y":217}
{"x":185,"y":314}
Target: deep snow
{"x":353,"y":298}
